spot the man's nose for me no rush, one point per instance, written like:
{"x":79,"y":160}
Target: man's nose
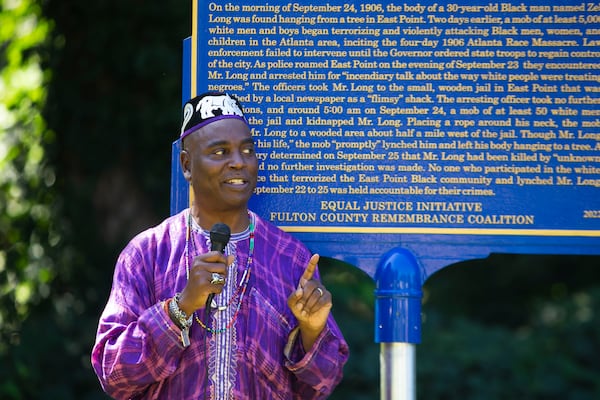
{"x":237,"y":160}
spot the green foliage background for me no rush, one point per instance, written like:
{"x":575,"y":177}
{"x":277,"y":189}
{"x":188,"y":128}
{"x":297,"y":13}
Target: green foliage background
{"x":89,"y":95}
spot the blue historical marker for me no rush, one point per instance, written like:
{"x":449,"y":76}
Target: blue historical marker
{"x":402,"y":138}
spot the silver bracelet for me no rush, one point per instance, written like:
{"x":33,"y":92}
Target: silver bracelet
{"x":179,"y":317}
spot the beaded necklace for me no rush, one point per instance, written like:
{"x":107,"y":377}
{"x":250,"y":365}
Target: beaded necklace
{"x":241,"y":289}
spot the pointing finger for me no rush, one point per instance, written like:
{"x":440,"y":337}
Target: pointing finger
{"x":309,"y":271}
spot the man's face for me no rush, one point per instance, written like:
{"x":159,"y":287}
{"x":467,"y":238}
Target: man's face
{"x":220,"y":161}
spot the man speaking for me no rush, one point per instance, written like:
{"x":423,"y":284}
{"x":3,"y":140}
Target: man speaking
{"x":245,"y":317}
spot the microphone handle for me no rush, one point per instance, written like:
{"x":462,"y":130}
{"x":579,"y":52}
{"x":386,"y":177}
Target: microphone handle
{"x":217,"y":246}
{"x":209,"y":301}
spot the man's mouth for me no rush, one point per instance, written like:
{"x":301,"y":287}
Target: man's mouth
{"x":236,"y":181}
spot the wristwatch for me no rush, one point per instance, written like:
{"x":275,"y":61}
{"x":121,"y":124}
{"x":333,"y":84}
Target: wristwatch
{"x":181,"y":319}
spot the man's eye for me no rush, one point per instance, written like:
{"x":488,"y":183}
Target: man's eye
{"x":219,"y":152}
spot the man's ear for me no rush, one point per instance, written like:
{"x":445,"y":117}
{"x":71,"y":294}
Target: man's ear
{"x":186,"y":165}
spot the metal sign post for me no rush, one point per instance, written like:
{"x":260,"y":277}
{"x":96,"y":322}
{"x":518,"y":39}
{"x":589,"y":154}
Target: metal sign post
{"x":398,"y":371}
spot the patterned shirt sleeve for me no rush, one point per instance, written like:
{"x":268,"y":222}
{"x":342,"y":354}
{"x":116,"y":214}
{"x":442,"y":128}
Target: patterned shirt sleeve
{"x":131,"y":329}
{"x":318,"y":371}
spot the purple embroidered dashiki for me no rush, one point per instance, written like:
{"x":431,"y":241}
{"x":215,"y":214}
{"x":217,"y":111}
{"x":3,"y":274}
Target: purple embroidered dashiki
{"x":138,"y":351}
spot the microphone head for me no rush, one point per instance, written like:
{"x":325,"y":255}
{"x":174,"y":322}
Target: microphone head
{"x":219,"y":236}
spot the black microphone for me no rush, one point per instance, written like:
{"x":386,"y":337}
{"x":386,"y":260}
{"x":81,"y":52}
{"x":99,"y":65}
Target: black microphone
{"x":219,"y":236}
